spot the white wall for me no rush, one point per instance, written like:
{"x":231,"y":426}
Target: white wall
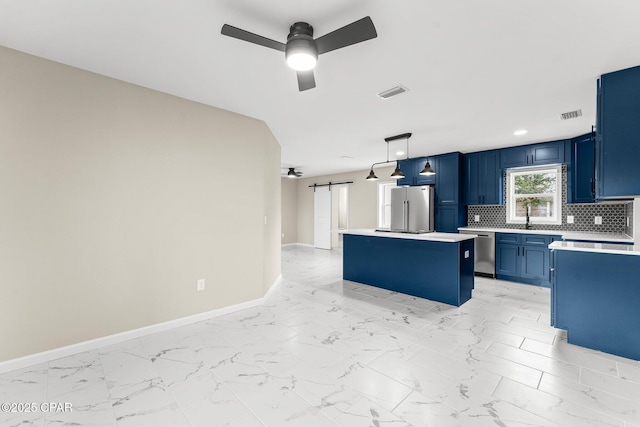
{"x":363,"y":200}
{"x":289,"y":210}
{"x":115,"y":199}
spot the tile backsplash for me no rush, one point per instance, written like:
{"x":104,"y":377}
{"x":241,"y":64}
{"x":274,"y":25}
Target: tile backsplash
{"x":628,"y":214}
{"x":614,"y":215}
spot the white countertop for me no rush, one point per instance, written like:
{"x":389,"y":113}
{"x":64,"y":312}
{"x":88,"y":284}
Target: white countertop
{"x":566,"y":235}
{"x":432,"y":237}
{"x":604,"y":248}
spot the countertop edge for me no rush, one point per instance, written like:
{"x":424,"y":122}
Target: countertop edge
{"x":604,"y":248}
{"x":429,"y":237}
{"x":566,"y":235}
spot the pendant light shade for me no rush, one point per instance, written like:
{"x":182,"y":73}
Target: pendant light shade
{"x":427,"y":170}
{"x":397,"y":174}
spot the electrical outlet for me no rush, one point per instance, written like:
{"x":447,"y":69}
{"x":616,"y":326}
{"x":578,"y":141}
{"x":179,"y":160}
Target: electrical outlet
{"x":597,"y":220}
{"x":200,"y":285}
{"x":476,"y":218}
{"x":569,"y":219}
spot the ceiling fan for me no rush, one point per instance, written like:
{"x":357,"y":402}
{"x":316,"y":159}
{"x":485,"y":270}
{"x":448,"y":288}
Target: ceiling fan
{"x":301,"y":50}
{"x":292,"y":173}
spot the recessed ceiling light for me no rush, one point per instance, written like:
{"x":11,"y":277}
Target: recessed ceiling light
{"x":399,"y":153}
{"x":520,"y":132}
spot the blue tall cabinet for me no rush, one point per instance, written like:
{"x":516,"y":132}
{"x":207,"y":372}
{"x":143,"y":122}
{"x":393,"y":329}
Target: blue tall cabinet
{"x":618,"y":135}
{"x":450,"y":210}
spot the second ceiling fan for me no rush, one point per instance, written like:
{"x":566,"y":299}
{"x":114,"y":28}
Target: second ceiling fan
{"x":301,"y":50}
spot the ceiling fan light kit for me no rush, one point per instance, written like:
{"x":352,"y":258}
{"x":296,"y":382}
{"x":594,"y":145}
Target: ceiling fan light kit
{"x":301,"y":50}
{"x":293,"y":174}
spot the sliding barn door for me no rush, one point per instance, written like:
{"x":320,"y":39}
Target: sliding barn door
{"x":322,"y":218}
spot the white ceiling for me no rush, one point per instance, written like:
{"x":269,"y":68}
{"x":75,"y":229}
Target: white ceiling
{"x":476,"y":70}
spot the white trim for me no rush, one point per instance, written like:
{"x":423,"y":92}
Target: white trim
{"x":556,"y":219}
{"x":69,"y":350}
{"x":275,"y":284}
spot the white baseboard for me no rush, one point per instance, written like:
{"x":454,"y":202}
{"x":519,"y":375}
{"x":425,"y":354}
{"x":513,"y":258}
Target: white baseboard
{"x":299,"y":244}
{"x":69,"y":350}
{"x":276,"y":283}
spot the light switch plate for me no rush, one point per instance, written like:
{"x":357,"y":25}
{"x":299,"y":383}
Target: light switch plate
{"x":569,"y":219}
{"x":466,"y":254}
{"x":200,"y":285}
{"x":597,"y":220}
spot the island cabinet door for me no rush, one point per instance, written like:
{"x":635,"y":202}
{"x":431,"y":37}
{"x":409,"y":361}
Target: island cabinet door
{"x":508,"y":259}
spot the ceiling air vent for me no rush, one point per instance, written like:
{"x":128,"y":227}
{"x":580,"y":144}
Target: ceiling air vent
{"x":397,"y":90}
{"x":571,"y":115}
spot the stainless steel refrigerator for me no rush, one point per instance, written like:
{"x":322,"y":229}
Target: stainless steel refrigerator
{"x":412,"y":209}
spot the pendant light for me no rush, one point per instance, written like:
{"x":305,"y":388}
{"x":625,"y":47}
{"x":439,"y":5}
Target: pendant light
{"x":427,"y":170}
{"x":397,"y":173}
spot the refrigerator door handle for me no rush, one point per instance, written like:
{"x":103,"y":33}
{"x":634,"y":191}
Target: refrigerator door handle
{"x":406,"y":215}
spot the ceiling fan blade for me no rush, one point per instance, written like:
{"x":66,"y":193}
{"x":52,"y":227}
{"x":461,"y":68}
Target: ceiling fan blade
{"x":353,"y":33}
{"x":306,"y":80}
{"x":237,"y":33}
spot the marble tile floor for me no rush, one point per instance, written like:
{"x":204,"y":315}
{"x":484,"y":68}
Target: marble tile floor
{"x":327,"y":352}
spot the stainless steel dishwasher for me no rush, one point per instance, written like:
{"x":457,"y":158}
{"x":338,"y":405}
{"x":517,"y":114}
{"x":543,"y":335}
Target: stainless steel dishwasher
{"x":485,"y":252}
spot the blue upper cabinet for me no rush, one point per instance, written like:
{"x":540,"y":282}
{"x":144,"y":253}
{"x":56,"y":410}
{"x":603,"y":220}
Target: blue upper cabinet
{"x":618,"y":135}
{"x":581,"y":170}
{"x":546,"y":153}
{"x":420,"y":164}
{"x":408,"y":168}
{"x":411,"y":169}
{"x":483,"y":178}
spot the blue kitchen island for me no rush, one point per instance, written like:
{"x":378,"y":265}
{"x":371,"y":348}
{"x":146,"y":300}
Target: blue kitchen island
{"x":435,"y":266}
{"x":595,"y":295}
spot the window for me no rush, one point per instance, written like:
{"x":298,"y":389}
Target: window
{"x":535,"y":189}
{"x":384,"y":203}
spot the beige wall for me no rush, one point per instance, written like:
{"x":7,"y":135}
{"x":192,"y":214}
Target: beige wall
{"x":115,"y":199}
{"x":289,"y":210}
{"x":363,"y":200}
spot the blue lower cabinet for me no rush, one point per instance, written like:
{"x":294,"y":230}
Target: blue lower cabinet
{"x":535,"y":264}
{"x":595,"y":297}
{"x":524,"y":258}
{"x":507,"y":260}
